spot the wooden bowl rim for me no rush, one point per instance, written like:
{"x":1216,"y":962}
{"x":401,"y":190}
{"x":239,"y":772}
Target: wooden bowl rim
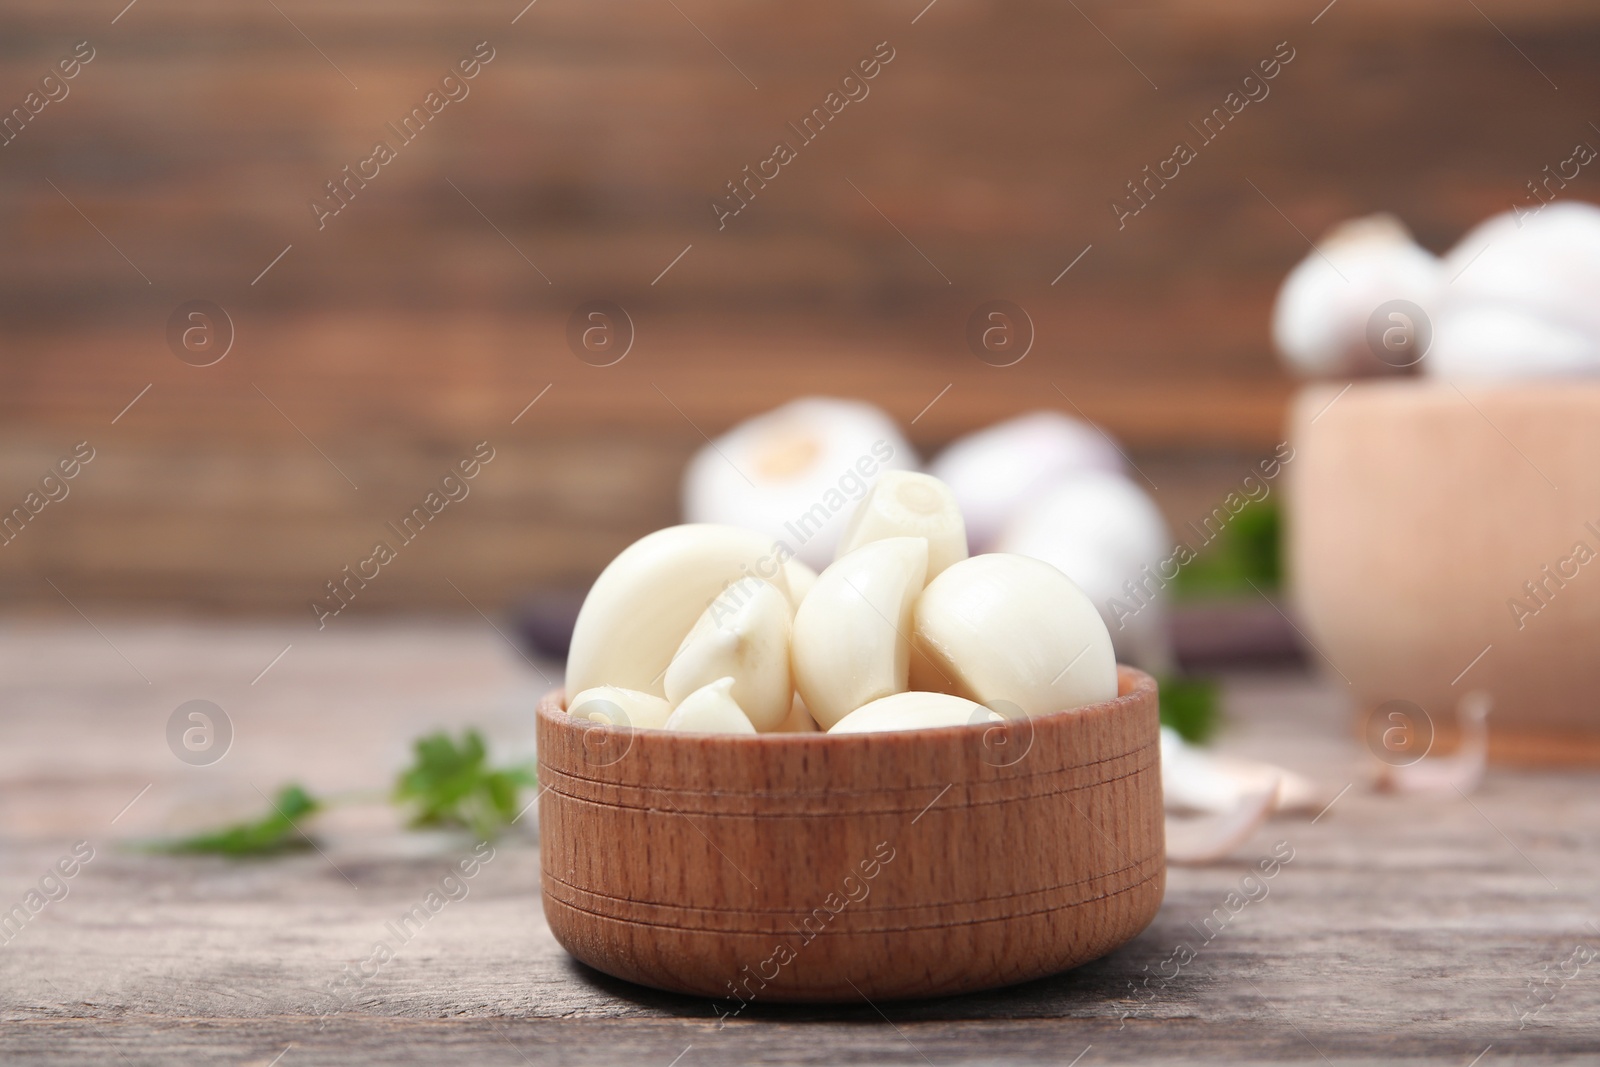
{"x":1133,"y":687}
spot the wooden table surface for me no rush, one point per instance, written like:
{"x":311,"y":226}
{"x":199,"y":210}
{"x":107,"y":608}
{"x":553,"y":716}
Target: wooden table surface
{"x":1401,"y":929}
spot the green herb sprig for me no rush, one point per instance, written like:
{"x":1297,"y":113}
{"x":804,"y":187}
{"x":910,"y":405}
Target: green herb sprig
{"x":448,"y":784}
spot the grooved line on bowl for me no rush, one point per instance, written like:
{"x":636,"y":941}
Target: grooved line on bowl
{"x":1140,"y":864}
{"x":860,"y":932}
{"x":546,"y":769}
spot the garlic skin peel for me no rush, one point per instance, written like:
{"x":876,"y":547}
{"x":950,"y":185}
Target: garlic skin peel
{"x":851,"y":635}
{"x":795,"y":472}
{"x":914,"y":711}
{"x":1103,"y":531}
{"x":645,"y":601}
{"x":1006,"y":628}
{"x":1523,"y":300}
{"x":1319,"y":321}
{"x":995,"y":471}
{"x":744,"y":635}
{"x":620,"y":707}
{"x":710,"y":709}
{"x":909,"y":504}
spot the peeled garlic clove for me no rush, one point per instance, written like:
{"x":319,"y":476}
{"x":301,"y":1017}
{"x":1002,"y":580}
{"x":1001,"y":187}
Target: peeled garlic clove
{"x":913,"y":711}
{"x":801,"y":579}
{"x":1319,"y":322}
{"x":1007,"y":628}
{"x":851,"y":634}
{"x":1106,"y":534}
{"x":620,"y":707}
{"x":793,"y":472}
{"x":645,"y":601}
{"x":908,"y":504}
{"x":744,"y":634}
{"x":799,"y":720}
{"x":995,"y":471}
{"x":711,"y":709}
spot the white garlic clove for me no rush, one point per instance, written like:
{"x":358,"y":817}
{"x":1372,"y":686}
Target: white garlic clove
{"x":801,"y":578}
{"x":995,"y":471}
{"x":851,"y":636}
{"x":1004,"y":629}
{"x":913,"y":711}
{"x":909,"y":504}
{"x":1106,"y":534}
{"x":744,"y":634}
{"x":799,"y":720}
{"x":620,"y":707}
{"x":1319,"y":322}
{"x":794,"y":472}
{"x":710,"y":709}
{"x":645,"y":601}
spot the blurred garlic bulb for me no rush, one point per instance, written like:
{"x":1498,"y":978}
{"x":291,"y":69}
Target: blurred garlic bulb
{"x":909,"y":504}
{"x":1319,"y":323}
{"x":1523,"y":301}
{"x":1007,"y":628}
{"x":743,"y":634}
{"x":1495,"y":342}
{"x":1104,"y":532}
{"x":995,"y":471}
{"x":913,"y":711}
{"x":795,"y":472}
{"x":851,"y":635}
{"x":711,"y":709}
{"x":644,"y":602}
{"x":620,"y":707}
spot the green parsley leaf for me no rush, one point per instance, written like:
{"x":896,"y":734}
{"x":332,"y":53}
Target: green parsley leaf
{"x":1189,"y":705}
{"x":277,"y":831}
{"x":452,"y":784}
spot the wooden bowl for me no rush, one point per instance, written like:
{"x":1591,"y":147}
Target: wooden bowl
{"x":809,"y":867}
{"x":1417,"y":514}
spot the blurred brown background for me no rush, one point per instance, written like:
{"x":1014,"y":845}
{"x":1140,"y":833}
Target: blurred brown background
{"x":417,"y":324}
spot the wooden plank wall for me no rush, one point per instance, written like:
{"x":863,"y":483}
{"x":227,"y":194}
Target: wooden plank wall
{"x":427,"y":313}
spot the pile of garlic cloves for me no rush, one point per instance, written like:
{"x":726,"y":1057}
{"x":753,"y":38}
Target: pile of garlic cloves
{"x":710,"y":628}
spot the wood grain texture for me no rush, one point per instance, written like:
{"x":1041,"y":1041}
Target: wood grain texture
{"x":1419,"y":514}
{"x":818,"y":868}
{"x":592,"y":146}
{"x":1401,"y":931}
